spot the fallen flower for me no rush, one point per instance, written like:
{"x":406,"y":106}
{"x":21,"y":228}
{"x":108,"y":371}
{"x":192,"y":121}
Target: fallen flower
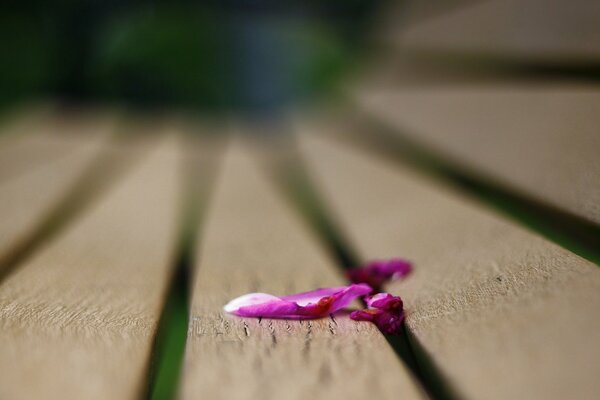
{"x":378,"y":272}
{"x":314,"y":304}
{"x":385,"y":311}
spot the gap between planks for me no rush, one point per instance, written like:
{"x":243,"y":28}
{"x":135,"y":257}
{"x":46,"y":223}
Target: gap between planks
{"x":277,"y":150}
{"x":39,"y":203}
{"x":499,"y":311}
{"x":384,"y":140}
{"x":202,"y":152}
{"x":536,"y":139}
{"x":252,"y":241}
{"x":78,"y":317}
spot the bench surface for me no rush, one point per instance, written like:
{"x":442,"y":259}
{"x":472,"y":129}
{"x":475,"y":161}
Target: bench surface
{"x":540,"y":140}
{"x":107,"y":219}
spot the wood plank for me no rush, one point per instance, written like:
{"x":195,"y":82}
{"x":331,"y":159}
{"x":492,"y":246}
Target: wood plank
{"x":77,"y":320}
{"x":253,"y":242}
{"x":500,"y":312}
{"x":33,"y":137}
{"x":29,"y":198}
{"x":540,"y":140}
{"x":538,"y":31}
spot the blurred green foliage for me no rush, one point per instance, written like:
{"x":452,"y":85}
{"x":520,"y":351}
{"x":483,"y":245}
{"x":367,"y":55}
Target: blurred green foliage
{"x":147,"y":58}
{"x":26,"y":65}
{"x":213,"y":55}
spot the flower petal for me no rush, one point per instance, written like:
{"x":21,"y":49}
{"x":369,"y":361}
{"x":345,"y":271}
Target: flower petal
{"x":248,"y":300}
{"x":386,"y":311}
{"x":312,"y":296}
{"x":376,"y":273}
{"x":314,"y":304}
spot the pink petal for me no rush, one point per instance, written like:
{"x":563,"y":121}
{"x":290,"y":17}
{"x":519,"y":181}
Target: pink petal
{"x":313,"y":296}
{"x":248,"y":300}
{"x":376,"y":299}
{"x":378,"y":272}
{"x":385,"y":311}
{"x":314,"y":304}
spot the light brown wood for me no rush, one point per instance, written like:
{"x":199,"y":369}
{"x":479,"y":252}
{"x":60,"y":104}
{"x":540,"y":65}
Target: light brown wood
{"x":77,"y":320}
{"x":542,"y":31}
{"x":252,"y":241}
{"x":28,"y":198}
{"x":541,"y":140}
{"x":33,"y":137}
{"x":501,"y":312}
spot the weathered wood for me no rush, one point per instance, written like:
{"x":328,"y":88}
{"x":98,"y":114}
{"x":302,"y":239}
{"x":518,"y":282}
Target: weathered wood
{"x":31,"y":197}
{"x":500,"y":312}
{"x":541,"y":140}
{"x":539,"y":31}
{"x":252,"y":242}
{"x":77,"y":320}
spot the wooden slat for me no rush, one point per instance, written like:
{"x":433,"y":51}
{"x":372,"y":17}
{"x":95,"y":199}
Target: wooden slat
{"x":34,"y":137}
{"x":253,"y":242}
{"x":500,"y":312}
{"x":546,"y":31}
{"x":27,"y":199}
{"x":77,"y":320}
{"x":541,"y":140}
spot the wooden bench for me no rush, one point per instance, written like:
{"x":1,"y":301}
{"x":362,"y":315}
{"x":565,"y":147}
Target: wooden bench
{"x":493,"y":309}
{"x":122,"y":236}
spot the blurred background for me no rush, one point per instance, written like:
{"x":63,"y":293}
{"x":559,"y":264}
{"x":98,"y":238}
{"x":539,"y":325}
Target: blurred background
{"x":262,"y":56}
{"x":211,"y":56}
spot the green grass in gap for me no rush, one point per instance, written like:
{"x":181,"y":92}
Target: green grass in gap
{"x":170,"y":342}
{"x":169,"y":348}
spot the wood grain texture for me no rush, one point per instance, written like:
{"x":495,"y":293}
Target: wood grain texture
{"x":77,"y":320}
{"x":28,"y":198}
{"x":539,"y":31}
{"x":541,"y":140}
{"x":499,"y":311}
{"x":252,"y":242}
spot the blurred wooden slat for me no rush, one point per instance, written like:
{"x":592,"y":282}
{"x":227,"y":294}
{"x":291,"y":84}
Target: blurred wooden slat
{"x":77,"y":320}
{"x":253,"y":242}
{"x":500,"y":312}
{"x":538,"y":31}
{"x":541,"y":140}
{"x":402,"y":14}
{"x":28,"y":199}
{"x":34,"y":137}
